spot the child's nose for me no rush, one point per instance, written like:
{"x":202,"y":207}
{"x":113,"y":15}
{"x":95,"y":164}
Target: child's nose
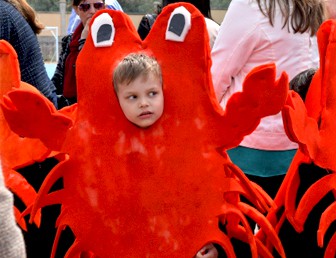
{"x":143,"y":103}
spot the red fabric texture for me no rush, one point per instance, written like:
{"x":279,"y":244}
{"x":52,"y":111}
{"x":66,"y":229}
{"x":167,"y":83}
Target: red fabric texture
{"x":313,"y":126}
{"x":160,"y":191}
{"x":16,"y":152}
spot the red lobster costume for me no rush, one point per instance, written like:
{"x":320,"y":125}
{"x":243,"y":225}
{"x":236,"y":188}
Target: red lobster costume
{"x":162,"y":191}
{"x":303,"y":199}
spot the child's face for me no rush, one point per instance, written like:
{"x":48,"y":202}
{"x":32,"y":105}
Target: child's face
{"x":142,"y":100}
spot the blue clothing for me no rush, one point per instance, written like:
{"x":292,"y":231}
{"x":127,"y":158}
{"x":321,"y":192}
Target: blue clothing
{"x":260,"y":162}
{"x":74,"y":19}
{"x":16,"y":30}
{"x":72,"y":22}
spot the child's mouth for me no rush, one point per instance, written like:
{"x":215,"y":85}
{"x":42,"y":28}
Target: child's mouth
{"x":145,"y":114}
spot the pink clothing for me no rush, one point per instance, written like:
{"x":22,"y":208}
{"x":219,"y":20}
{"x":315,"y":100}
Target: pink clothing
{"x":245,"y":40}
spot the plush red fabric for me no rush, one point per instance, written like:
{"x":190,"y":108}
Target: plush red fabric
{"x":160,"y":191}
{"x":16,"y":152}
{"x":313,"y":126}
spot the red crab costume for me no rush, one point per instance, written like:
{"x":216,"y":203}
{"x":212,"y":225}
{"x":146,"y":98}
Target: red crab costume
{"x":160,"y":191}
{"x":23,"y":160}
{"x":16,"y":152}
{"x":313,"y":126}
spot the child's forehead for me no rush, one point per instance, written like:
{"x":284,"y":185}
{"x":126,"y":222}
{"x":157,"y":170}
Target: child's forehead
{"x":145,"y":80}
{"x":150,"y":76}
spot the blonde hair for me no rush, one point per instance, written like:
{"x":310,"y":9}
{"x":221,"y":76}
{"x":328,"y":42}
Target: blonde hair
{"x":28,"y":13}
{"x":133,"y":66}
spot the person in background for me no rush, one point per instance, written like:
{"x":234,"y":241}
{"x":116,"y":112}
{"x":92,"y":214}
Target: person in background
{"x":330,"y":9}
{"x":203,"y":6}
{"x":11,"y":239}
{"x":157,"y":7}
{"x":269,"y":33}
{"x":74,"y":19}
{"x":148,"y":20}
{"x":301,"y":82}
{"x":272,"y":31}
{"x":19,"y":26}
{"x":64,"y":77}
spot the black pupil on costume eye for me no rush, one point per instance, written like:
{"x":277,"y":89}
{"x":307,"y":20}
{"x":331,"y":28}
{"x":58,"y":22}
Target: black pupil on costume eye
{"x":104,"y":33}
{"x":177,"y":24}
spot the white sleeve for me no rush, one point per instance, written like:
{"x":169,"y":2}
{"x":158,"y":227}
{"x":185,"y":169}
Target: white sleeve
{"x":11,"y":238}
{"x":113,"y":4}
{"x":238,"y":35}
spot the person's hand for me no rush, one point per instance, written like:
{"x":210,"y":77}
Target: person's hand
{"x":85,"y":31}
{"x":207,"y":251}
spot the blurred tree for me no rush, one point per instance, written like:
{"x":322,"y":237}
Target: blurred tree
{"x":137,"y":6}
{"x":220,"y":4}
{"x":47,"y":5}
{"x":145,"y":6}
{"x":129,"y":6}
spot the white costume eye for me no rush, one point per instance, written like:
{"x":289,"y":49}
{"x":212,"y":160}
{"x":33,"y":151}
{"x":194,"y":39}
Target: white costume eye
{"x":179,"y":24}
{"x":103,"y":31}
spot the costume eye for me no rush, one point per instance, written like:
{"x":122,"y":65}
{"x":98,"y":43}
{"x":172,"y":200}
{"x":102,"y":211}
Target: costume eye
{"x":179,"y":24}
{"x":103,"y":31}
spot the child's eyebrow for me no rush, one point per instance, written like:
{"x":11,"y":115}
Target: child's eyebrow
{"x":130,"y":93}
{"x":154,"y":88}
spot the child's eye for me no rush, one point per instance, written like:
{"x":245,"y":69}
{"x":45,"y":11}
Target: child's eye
{"x":131,"y":97}
{"x":152,"y":93}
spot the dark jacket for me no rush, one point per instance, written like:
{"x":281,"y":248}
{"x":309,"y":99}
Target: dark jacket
{"x":146,"y":24}
{"x":15,"y":29}
{"x":61,"y":76}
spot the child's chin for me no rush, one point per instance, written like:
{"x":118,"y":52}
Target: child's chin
{"x":143,"y":125}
